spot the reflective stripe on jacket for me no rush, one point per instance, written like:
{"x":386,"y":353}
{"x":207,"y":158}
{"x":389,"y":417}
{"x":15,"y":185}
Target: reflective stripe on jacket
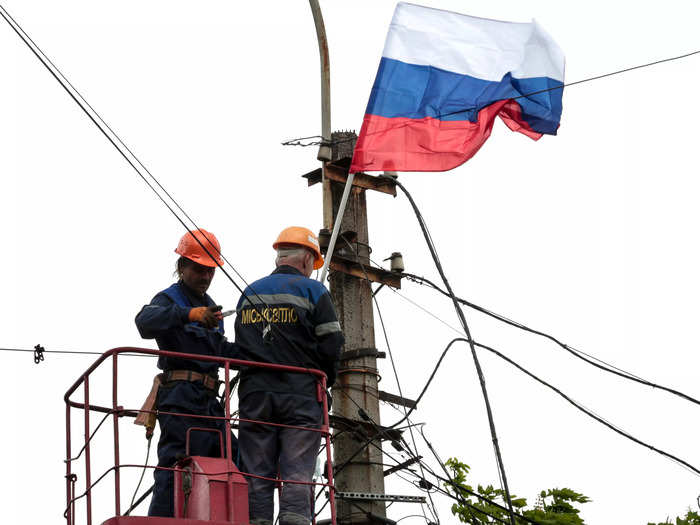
{"x":304,"y":331}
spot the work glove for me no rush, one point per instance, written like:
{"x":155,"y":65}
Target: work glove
{"x":209,"y":316}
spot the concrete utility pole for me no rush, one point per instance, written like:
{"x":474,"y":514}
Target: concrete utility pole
{"x":358,"y":437}
{"x":357,"y":378}
{"x":357,"y":447}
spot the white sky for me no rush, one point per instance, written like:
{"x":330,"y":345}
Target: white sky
{"x":590,"y":235}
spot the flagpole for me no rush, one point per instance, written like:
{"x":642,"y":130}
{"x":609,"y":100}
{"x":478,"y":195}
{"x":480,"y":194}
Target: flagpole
{"x":336,"y":226}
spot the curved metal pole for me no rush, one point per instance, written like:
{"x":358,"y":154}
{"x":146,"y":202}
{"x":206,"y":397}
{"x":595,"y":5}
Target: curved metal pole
{"x":324,"y":152}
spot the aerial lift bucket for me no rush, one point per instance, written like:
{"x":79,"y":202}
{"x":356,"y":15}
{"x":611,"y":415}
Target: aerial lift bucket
{"x":207,"y":491}
{"x":203,"y":492}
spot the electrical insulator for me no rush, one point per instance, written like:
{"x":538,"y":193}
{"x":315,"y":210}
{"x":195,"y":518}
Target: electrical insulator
{"x":324,"y":239}
{"x":396,"y":262}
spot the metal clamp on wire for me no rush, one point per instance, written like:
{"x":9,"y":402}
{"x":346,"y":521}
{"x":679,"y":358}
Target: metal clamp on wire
{"x":38,"y":354}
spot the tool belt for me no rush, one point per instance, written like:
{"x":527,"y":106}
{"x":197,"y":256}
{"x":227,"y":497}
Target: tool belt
{"x":209,"y":382}
{"x":147,"y":414}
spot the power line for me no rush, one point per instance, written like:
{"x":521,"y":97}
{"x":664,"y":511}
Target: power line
{"x":459,"y":487}
{"x":393,"y":364}
{"x":571,"y":401}
{"x":74,"y":352}
{"x":119,"y":145}
{"x":589,"y":412}
{"x":597,"y":77}
{"x":579,"y":406}
{"x":602,"y":365}
{"x":450,"y":481}
{"x":414,"y":454}
{"x":117,"y":142}
{"x":298,"y":142}
{"x":463,"y":321}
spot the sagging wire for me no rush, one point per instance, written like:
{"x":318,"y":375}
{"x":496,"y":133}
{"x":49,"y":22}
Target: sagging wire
{"x":369,"y":441}
{"x":602,"y":365}
{"x":450,"y":481}
{"x":591,"y":413}
{"x":576,"y":404}
{"x":119,"y":145}
{"x":473,"y":109}
{"x":458,"y":487}
{"x":103,"y":126}
{"x":411,"y":453}
{"x":408,"y":448}
{"x":433,"y":509}
{"x":469,"y":506}
{"x":571,"y":401}
{"x":465,"y":327}
{"x":73,"y":352}
{"x":380,"y":431}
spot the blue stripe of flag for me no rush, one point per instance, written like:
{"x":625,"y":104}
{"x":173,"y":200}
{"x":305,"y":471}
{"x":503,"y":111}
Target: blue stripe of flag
{"x":414,"y":91}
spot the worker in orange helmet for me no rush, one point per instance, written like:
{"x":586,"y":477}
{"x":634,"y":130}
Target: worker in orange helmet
{"x":285,"y":318}
{"x":183,"y":318}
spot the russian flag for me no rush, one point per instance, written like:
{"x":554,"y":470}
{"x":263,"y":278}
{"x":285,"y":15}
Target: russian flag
{"x":443,"y":79}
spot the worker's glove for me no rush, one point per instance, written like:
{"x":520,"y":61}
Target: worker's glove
{"x":209,"y":316}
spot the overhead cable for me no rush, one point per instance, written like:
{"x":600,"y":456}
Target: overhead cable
{"x":370,"y":441}
{"x":459,"y":487}
{"x":135,"y":163}
{"x":602,"y":365}
{"x":298,"y":142}
{"x":393,"y":364}
{"x":589,"y":412}
{"x":381,"y":431}
{"x":578,"y":405}
{"x":463,"y":321}
{"x":74,"y":352}
{"x":450,"y":481}
{"x":117,"y":142}
{"x":571,"y":401}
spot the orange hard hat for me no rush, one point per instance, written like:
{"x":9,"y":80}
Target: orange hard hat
{"x":301,"y":236}
{"x":189,"y":248}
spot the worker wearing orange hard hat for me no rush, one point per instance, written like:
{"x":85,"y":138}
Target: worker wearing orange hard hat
{"x":184,"y":318}
{"x":297,"y":236}
{"x":285,"y":318}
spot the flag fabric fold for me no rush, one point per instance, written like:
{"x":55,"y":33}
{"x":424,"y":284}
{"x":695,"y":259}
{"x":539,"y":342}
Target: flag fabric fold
{"x":443,"y":79}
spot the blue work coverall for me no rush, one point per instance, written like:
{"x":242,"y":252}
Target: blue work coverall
{"x":301,"y":327}
{"x":166,"y":320}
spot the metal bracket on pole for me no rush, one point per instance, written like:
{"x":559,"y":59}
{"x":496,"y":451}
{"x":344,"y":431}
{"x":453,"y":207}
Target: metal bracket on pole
{"x":397,"y":400}
{"x":402,"y":466}
{"x":365,"y":496}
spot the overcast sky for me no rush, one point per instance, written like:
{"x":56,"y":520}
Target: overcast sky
{"x":590,"y":236}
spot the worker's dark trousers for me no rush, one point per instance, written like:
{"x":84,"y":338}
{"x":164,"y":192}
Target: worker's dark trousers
{"x":265,"y":449}
{"x":189,"y":398}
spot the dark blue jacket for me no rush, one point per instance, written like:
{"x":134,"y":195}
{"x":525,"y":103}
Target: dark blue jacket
{"x":166,"y":320}
{"x":304,"y":331}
